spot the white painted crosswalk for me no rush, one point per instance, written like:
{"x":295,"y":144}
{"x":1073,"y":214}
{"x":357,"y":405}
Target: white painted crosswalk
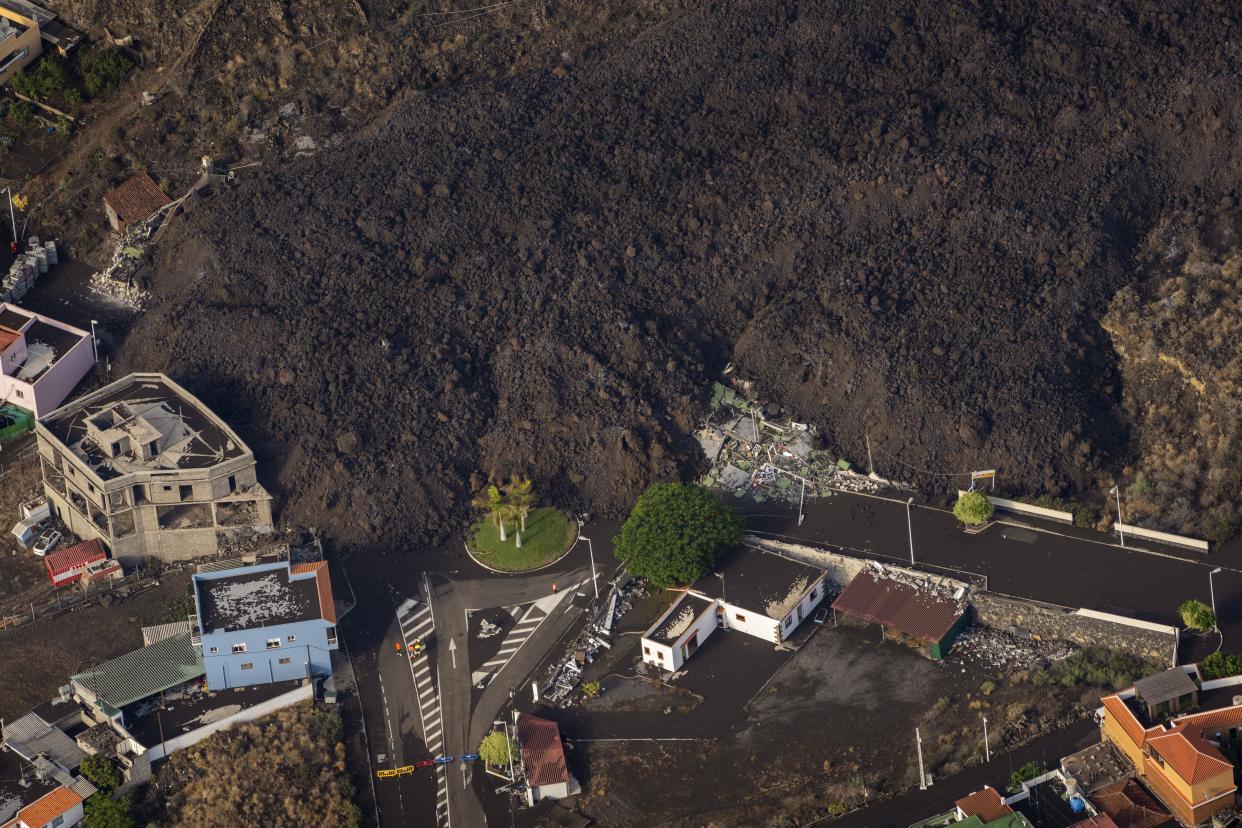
{"x":529,"y":617}
{"x":418,"y":622}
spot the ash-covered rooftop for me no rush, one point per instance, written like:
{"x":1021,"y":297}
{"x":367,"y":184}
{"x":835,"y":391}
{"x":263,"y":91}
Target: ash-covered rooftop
{"x":19,"y":785}
{"x":247,"y":599}
{"x":678,"y":619}
{"x":759,"y":581}
{"x":143,"y":423}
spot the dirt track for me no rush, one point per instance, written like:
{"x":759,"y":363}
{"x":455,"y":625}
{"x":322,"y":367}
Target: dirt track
{"x":894,"y":222}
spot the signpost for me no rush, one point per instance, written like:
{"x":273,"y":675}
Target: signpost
{"x":986,"y":474}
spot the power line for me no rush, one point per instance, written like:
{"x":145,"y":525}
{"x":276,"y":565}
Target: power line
{"x":918,"y":469}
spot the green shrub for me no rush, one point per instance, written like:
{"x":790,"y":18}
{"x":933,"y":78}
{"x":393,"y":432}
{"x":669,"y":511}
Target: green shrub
{"x":1095,"y":667}
{"x":102,"y":69}
{"x":21,"y":113}
{"x":1197,"y":615}
{"x":1220,"y":665}
{"x":973,"y":508}
{"x":102,"y":773}
{"x":1030,"y":770}
{"x":498,"y":750}
{"x":50,"y":76}
{"x":23,"y":83}
{"x":592,"y":689}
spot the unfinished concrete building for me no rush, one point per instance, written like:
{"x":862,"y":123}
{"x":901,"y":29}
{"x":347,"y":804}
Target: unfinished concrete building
{"x":148,"y":469}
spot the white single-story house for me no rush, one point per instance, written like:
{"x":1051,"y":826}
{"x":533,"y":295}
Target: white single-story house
{"x":757,"y":592}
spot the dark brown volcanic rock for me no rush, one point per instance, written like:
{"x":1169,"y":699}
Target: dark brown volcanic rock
{"x":899,"y":221}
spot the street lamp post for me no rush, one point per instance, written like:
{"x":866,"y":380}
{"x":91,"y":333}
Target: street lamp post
{"x":591,"y":550}
{"x":95,"y":341}
{"x":508,"y":746}
{"x":1212,"y":593}
{"x":987,"y":750}
{"x":12,"y":215}
{"x":910,"y":529}
{"x":802,"y":500}
{"x":1116,"y":490}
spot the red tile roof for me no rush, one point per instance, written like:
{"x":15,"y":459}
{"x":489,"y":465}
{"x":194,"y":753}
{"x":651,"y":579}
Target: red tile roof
{"x":80,"y":554}
{"x":986,"y":804}
{"x":137,"y":198}
{"x":1130,"y":806}
{"x":919,"y":614}
{"x":8,"y":337}
{"x":1125,"y":717}
{"x":323,"y":583}
{"x":44,"y":810}
{"x":542,"y":754}
{"x":1190,"y":757}
{"x":1101,"y":821}
{"x":1209,"y":721}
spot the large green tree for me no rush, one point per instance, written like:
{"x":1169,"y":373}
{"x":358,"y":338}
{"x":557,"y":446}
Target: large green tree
{"x":675,"y":534}
{"x":102,"y":812}
{"x":102,"y":772}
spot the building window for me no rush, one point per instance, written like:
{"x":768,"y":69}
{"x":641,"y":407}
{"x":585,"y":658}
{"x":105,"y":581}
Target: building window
{"x":213,"y":650}
{"x":646,"y":650}
{"x":21,"y":395}
{"x":56,"y":823}
{"x":788,"y":621}
{"x":283,"y":661}
{"x":273,"y":643}
{"x":814,"y":593}
{"x":249,"y":665}
{"x":291,"y":639}
{"x":738,"y":617}
{"x":239,"y":648}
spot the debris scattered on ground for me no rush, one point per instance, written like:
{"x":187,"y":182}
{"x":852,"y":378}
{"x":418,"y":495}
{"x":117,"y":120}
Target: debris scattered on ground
{"x":487,"y":629}
{"x":565,"y":675}
{"x":993,"y":648}
{"x":755,"y":457}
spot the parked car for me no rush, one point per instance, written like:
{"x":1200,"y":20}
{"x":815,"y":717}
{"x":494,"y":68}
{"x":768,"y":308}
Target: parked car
{"x":46,"y":542}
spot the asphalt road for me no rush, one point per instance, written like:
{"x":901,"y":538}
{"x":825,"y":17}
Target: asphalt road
{"x":1056,"y":564}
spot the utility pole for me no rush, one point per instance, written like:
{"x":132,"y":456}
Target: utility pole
{"x":801,"y":501}
{"x":870,"y":465}
{"x":910,"y":529}
{"x":12,"y":215}
{"x":987,"y":749}
{"x":1212,"y":592}
{"x":918,"y":741}
{"x":591,"y":549}
{"x":95,"y":341}
{"x":1116,"y":490}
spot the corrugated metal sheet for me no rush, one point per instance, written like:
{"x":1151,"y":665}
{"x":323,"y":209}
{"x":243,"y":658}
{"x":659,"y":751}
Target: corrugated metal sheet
{"x":80,"y":554}
{"x":143,"y":672}
{"x":542,"y":754}
{"x":158,"y":632}
{"x":29,"y":736}
{"x":919,"y":614}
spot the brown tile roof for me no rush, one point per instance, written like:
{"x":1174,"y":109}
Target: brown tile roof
{"x":1190,"y":757}
{"x":986,"y":804}
{"x":1100,"y":821}
{"x":323,"y":583}
{"x":42,"y":811}
{"x":8,"y":337}
{"x":542,"y":754}
{"x":921,"y":615}
{"x":137,"y":198}
{"x":1131,"y":806}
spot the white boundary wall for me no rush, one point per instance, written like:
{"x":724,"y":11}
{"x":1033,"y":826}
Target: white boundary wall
{"x":1227,"y":681}
{"x":160,"y":750}
{"x":1131,"y":622}
{"x":1164,"y":537}
{"x":1027,"y":509}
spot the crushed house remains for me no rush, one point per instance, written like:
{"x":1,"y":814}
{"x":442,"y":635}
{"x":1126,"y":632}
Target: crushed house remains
{"x":148,"y":469}
{"x":265,"y":623}
{"x":41,"y":360}
{"x":757,"y":592}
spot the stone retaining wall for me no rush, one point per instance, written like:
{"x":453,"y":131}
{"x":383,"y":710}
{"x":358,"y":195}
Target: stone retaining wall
{"x":1027,"y":618}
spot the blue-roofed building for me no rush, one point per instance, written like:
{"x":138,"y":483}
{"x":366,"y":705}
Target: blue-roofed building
{"x":264,"y":623}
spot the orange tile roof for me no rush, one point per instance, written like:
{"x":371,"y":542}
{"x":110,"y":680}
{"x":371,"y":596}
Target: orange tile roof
{"x":1120,"y":711}
{"x":137,"y":198}
{"x":1225,"y":717}
{"x":42,"y":811}
{"x":986,"y":804}
{"x":1190,"y":757}
{"x":8,"y":337}
{"x":323,"y":582}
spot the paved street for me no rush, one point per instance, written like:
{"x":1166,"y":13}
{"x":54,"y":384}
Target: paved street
{"x":1020,"y":557}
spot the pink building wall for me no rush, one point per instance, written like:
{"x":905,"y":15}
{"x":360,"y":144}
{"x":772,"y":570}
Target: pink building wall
{"x":50,"y":390}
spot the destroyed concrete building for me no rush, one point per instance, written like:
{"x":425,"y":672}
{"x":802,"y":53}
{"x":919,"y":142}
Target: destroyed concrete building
{"x":148,"y":469}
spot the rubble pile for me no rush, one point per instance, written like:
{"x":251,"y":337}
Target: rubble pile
{"x":565,"y":675}
{"x":755,"y":457}
{"x":120,"y":279}
{"x":990,"y":647}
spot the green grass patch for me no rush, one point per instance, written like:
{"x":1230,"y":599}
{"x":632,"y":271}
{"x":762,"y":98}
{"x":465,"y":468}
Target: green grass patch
{"x":549,"y":532}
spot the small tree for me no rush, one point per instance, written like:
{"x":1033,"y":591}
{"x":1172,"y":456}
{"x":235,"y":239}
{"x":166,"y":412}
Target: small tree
{"x":492,"y":501}
{"x":675,"y":534}
{"x":102,"y":773}
{"x":103,"y":812}
{"x":1197,"y":615}
{"x":521,"y":497}
{"x":973,"y":508}
{"x":498,"y":750}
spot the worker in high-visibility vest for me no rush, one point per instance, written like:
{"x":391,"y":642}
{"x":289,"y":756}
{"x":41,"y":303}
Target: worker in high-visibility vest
{"x":398,"y":646}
